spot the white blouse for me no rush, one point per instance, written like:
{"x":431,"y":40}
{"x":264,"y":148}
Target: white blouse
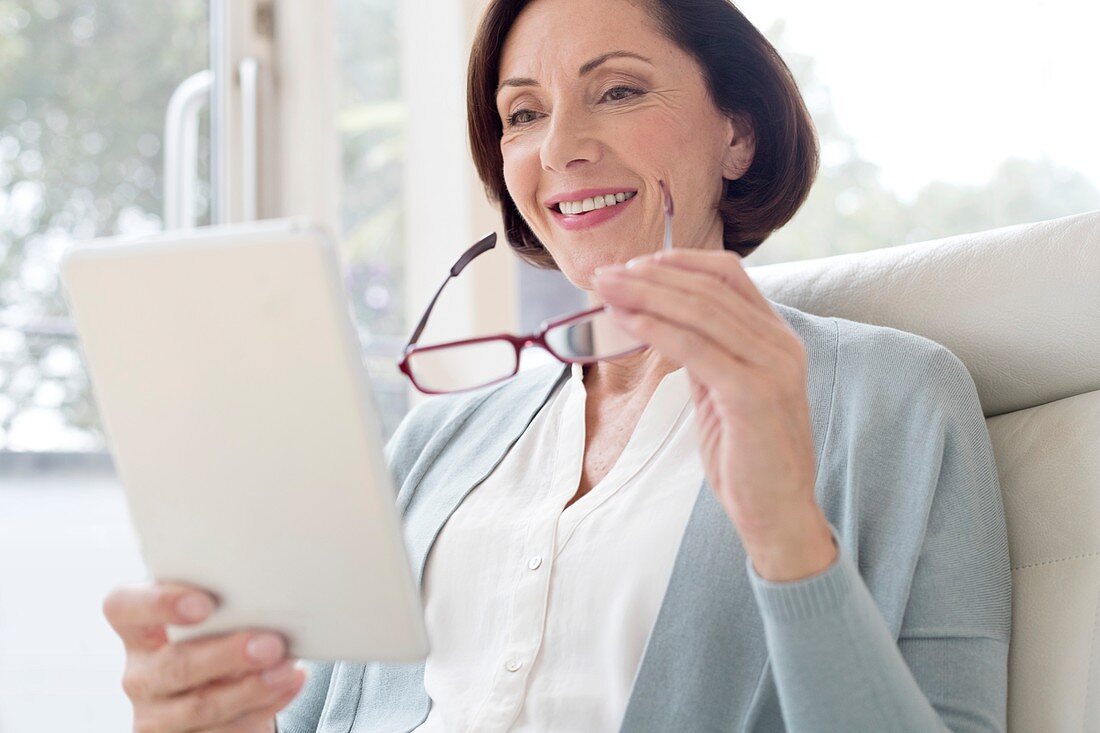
{"x":537,"y":617}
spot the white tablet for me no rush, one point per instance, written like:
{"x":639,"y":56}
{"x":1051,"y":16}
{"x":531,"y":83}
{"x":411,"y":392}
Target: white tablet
{"x":238,"y":411}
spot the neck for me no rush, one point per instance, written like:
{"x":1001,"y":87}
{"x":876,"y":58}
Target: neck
{"x":629,"y":375}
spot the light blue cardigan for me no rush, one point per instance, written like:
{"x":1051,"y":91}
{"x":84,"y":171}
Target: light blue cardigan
{"x":907,"y":631}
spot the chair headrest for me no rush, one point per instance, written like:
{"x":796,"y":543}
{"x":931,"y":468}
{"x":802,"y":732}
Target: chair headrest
{"x":1020,"y":305}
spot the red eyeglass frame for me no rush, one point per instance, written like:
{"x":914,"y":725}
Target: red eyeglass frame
{"x":519,"y":343}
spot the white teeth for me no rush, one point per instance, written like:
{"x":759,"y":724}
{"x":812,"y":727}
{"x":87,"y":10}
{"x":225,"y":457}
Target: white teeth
{"x":596,"y":202}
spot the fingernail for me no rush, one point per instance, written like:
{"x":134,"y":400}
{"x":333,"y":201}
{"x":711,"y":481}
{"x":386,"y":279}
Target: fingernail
{"x":278,"y":676}
{"x":265,"y":648}
{"x":194,"y":607}
{"x":632,"y":263}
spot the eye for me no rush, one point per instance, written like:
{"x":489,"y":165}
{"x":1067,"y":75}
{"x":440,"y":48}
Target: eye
{"x":614,"y":94}
{"x":630,"y":92}
{"x":515,"y":118}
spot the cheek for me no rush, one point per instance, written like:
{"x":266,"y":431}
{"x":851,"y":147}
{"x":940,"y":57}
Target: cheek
{"x":521,"y":172}
{"x":655,"y":144}
{"x":637,"y":143}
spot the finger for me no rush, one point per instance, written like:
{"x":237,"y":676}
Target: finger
{"x":689,"y":311}
{"x":722,"y":264}
{"x":261,"y":721}
{"x":695,"y":285}
{"x":766,"y":319}
{"x":703,"y":358}
{"x":138,"y":613}
{"x":222,"y":703}
{"x":174,"y":668}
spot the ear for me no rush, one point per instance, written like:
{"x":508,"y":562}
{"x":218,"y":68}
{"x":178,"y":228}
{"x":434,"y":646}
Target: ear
{"x":741,"y":149}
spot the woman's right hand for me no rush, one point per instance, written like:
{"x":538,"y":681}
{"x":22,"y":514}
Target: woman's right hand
{"x":229,"y":683}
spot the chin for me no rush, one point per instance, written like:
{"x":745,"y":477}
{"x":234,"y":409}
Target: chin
{"x":580,"y":271}
{"x":579,"y":276}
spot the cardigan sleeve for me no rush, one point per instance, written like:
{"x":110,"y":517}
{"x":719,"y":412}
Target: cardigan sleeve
{"x":303,"y":714}
{"x":836,"y":664}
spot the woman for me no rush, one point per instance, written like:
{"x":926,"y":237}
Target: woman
{"x":765,"y":520}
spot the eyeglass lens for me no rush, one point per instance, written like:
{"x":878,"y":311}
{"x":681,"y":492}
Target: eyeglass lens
{"x":468,"y":366}
{"x":462,"y":367}
{"x":591,"y":338}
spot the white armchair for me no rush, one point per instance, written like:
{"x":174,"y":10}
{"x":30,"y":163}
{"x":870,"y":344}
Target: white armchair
{"x":1020,"y":306}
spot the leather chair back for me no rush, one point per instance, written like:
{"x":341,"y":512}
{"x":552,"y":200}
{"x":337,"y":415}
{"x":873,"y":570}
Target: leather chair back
{"x":1020,"y":306}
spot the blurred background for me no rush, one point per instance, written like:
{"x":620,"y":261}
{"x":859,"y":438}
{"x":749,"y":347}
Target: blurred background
{"x":120,"y":118}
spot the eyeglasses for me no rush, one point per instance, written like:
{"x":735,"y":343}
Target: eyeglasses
{"x":577,"y":338}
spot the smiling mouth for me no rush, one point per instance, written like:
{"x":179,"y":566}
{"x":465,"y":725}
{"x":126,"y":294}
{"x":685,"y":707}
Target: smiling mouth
{"x":593,"y":203}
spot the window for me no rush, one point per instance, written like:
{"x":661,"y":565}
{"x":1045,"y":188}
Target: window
{"x":370,"y":121}
{"x":83,"y":90}
{"x":937,"y":118}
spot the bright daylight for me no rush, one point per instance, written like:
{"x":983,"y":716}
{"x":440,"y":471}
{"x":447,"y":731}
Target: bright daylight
{"x":734,"y":364}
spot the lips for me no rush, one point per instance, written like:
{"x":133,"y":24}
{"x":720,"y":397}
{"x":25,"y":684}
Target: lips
{"x":587,"y":220}
{"x":584,"y":193}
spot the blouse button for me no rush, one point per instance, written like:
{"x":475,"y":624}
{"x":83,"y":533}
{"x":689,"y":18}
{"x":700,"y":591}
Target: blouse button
{"x":513,"y":665}
{"x":534,"y":562}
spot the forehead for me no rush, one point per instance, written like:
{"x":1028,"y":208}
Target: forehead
{"x":557,"y":36}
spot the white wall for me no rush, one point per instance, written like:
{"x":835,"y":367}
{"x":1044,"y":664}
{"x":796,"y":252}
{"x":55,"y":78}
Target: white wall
{"x":446,"y":208}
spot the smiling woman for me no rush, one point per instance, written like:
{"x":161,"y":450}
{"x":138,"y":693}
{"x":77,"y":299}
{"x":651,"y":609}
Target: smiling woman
{"x":660,"y":59}
{"x":732,"y":527}
{"x":675,"y":537}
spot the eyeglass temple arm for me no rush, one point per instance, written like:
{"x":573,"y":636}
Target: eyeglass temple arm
{"x":666,"y":197}
{"x":484,"y":244}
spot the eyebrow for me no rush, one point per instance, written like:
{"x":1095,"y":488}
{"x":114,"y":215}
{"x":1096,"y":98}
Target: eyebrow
{"x":589,"y":66}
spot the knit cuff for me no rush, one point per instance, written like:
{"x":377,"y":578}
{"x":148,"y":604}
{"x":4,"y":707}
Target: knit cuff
{"x":799,"y":600}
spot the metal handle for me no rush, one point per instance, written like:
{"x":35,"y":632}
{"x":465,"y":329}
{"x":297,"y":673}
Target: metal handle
{"x":181,"y":142}
{"x":249,"y":69}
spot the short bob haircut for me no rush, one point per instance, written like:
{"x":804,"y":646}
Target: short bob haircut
{"x":747,"y":80}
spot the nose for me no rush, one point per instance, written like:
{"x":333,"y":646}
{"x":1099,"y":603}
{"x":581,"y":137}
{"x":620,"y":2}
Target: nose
{"x":569,"y":142}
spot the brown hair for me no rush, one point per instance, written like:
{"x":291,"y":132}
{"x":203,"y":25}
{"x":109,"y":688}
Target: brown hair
{"x":746,"y":79}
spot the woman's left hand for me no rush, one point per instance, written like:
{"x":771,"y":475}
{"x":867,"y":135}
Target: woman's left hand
{"x":747,"y":368}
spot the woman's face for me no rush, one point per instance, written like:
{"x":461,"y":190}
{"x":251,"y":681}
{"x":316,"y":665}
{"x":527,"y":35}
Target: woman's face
{"x":581,"y":117}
